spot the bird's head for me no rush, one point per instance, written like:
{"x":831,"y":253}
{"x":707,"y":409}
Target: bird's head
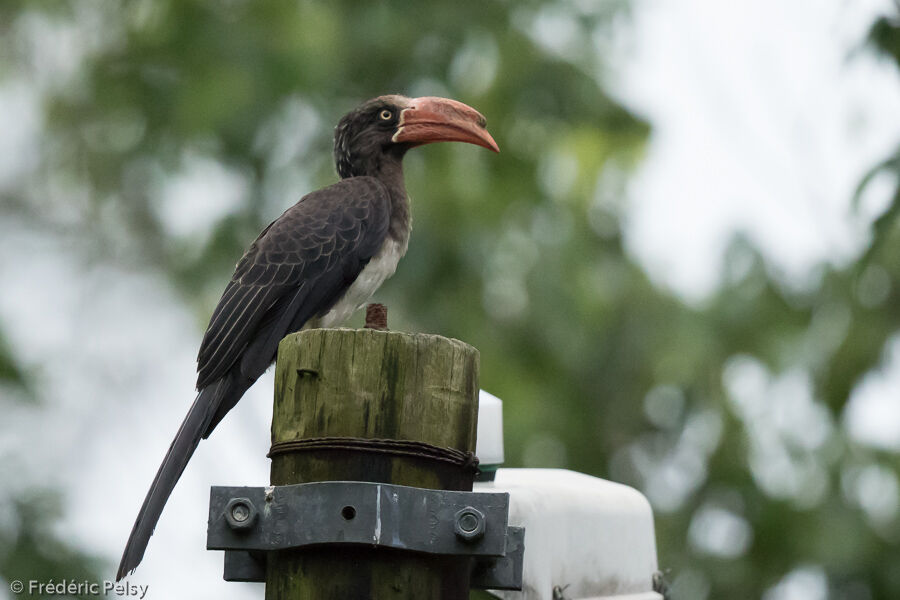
{"x":388,"y":126}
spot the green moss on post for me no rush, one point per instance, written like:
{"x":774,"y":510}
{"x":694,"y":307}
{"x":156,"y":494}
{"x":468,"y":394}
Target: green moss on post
{"x":371,"y":384}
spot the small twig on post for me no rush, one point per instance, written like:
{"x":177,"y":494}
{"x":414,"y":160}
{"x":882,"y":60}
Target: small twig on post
{"x":376,"y":317}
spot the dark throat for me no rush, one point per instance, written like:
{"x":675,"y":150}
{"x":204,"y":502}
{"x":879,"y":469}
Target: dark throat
{"x":387,"y":167}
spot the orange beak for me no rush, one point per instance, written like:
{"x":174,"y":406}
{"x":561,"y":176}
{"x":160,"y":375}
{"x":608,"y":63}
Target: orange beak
{"x":431,"y":119}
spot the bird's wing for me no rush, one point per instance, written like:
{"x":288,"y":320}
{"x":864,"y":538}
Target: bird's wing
{"x":301,"y":263}
{"x":297,"y":268}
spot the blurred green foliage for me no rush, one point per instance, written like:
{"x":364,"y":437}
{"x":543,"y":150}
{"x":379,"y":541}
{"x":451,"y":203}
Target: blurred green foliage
{"x":11,"y":372}
{"x":31,"y":550}
{"x":729,"y":408}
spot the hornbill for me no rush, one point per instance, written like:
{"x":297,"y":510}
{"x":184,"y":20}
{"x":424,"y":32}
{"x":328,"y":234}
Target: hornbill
{"x":312,"y":267}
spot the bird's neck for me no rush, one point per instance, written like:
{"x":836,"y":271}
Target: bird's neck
{"x":389,"y":170}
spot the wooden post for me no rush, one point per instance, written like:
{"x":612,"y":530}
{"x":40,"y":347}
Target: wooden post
{"x":378,"y":385}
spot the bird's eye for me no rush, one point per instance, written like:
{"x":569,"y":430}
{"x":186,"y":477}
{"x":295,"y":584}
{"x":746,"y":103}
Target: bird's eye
{"x":386,"y":115}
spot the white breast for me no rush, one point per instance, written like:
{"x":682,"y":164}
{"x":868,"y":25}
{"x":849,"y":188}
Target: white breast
{"x":380,"y":267}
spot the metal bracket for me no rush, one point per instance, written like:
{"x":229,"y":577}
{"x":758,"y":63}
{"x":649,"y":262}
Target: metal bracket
{"x":249,"y":521}
{"x":504,"y":573}
{"x":353,"y":512}
{"x":488,"y":572}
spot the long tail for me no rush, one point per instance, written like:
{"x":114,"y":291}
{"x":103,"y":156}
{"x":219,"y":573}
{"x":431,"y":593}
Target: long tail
{"x":195,"y":424}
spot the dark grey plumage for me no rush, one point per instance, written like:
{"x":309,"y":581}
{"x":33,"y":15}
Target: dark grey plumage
{"x":294,"y":271}
{"x":313,"y":266}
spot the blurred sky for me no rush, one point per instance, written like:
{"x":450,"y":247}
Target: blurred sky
{"x":765,"y":117}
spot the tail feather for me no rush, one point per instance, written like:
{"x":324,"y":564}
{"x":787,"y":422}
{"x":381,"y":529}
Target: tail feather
{"x":195,"y":424}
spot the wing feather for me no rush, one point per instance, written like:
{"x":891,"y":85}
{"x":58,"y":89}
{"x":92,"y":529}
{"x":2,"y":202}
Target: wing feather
{"x":252,"y":311}
{"x":301,"y":263}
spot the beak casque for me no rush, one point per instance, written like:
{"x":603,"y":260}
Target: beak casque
{"x":431,"y":119}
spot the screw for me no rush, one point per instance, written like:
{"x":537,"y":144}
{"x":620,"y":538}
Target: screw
{"x":469,"y":525}
{"x":240,"y":514}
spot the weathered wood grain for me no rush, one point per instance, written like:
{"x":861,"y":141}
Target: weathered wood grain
{"x":371,"y":384}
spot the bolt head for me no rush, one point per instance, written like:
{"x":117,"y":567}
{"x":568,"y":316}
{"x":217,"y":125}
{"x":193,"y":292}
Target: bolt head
{"x":469,"y":524}
{"x":240,"y":514}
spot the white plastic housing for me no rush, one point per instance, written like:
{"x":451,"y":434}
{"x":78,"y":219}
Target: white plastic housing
{"x":589,"y":537}
{"x":489,"y":443}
